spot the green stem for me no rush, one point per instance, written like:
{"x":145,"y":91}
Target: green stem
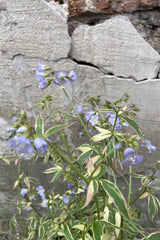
{"x":61,"y":134}
{"x":145,"y":190}
{"x":121,"y":231}
{"x":19,"y":196}
{"x":70,"y":163}
{"x":130,"y":185}
{"x":86,"y":130}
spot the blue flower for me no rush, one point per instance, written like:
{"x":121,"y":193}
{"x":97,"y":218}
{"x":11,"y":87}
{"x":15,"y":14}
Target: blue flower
{"x":72,"y":76}
{"x":23,"y":192}
{"x":131,"y":157}
{"x":85,"y":184}
{"x":22,"y":144}
{"x":94,"y":120}
{"x":40,"y":76}
{"x":40,"y":191}
{"x":149,"y":146}
{"x":41,"y":145}
{"x":89,"y":114}
{"x":65,"y":198}
{"x":10,"y":129}
{"x":61,"y":78}
{"x":73,"y":192}
{"x":41,"y":67}
{"x":70,"y":185}
{"x":118,"y":147}
{"x":44,"y":202}
{"x":13,"y":119}
{"x":79,"y":109}
{"x":32,"y":197}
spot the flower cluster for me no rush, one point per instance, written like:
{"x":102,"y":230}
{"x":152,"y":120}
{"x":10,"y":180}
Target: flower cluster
{"x":23,"y":145}
{"x":61,"y":78}
{"x":149,"y":146}
{"x":72,"y":190}
{"x":23,"y":141}
{"x":79,"y":110}
{"x":40,"y":76}
{"x":92,"y":117}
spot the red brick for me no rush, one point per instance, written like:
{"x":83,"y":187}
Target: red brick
{"x":78,"y":7}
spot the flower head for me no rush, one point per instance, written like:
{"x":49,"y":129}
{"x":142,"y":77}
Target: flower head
{"x":118,"y":147}
{"x":22,"y":144}
{"x":131,"y":157}
{"x":40,"y":191}
{"x":41,"y":145}
{"x":149,"y":146}
{"x":65,"y":198}
{"x":79,"y":109}
{"x":70,"y":185}
{"x":10,"y":129}
{"x":44,"y":202}
{"x":13,"y":119}
{"x":72,"y":76}
{"x":89,"y":114}
{"x":61,"y":78}
{"x":40,"y":76}
{"x":94,"y":120}
{"x":73,"y":192}
{"x":23,"y":191}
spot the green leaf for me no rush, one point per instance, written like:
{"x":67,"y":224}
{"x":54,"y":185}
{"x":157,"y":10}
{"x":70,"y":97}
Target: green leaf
{"x":13,"y":223}
{"x":116,"y":195}
{"x":84,"y":148}
{"x":50,"y":233}
{"x":53,"y":169}
{"x":39,"y":125}
{"x":31,"y":235}
{"x":153,"y":236}
{"x":41,"y":232}
{"x":55,"y":129}
{"x":133,"y":124}
{"x":33,"y":224}
{"x":101,"y":136}
{"x":88,"y":237}
{"x":157,"y":202}
{"x":58,"y":170}
{"x":83,"y":157}
{"x":57,"y":175}
{"x":100,"y":171}
{"x":151,"y":207}
{"x":91,"y":190}
{"x":67,"y":233}
{"x":90,"y":167}
{"x":97,"y":230}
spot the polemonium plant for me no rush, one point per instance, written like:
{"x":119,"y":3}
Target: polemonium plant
{"x":91,"y":205}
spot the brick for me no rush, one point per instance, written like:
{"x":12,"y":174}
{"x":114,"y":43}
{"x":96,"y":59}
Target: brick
{"x":80,"y":7}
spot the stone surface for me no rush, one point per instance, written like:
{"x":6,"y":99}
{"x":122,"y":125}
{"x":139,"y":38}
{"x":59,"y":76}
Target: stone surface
{"x":115,"y":47}
{"x":30,"y":32}
{"x":79,"y":7}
